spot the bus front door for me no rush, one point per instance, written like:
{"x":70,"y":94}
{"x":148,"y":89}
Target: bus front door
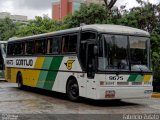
{"x":91,"y":84}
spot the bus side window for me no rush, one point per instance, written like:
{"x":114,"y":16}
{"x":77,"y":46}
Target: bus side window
{"x":53,"y":45}
{"x":29,"y":48}
{"x":19,"y":48}
{"x":69,"y":43}
{"x":39,"y":47}
{"x":65,"y":41}
{"x":10,"y":50}
{"x":73,"y":43}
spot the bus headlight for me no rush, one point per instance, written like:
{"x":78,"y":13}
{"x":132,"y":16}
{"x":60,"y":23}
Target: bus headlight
{"x":148,"y":91}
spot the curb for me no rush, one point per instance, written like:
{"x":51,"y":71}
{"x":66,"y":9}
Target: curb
{"x":156,"y":95}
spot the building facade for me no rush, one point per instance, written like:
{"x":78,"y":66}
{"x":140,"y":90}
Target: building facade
{"x":64,"y":7}
{"x":15,"y":18}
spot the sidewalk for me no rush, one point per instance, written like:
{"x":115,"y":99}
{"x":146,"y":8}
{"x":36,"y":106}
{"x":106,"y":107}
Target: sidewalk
{"x":156,"y":95}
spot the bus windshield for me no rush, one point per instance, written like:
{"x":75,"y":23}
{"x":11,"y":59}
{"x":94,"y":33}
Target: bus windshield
{"x":117,"y":52}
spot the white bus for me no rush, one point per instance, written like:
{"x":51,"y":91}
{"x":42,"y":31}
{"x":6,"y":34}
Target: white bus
{"x":3,"y":45}
{"x":99,"y":62}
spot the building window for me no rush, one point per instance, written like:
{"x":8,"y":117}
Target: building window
{"x":76,"y":6}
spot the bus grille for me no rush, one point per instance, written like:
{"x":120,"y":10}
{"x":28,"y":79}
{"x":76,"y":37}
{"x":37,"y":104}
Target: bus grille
{"x":122,"y":83}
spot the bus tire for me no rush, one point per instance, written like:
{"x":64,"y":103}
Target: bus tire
{"x":20,"y":81}
{"x":72,"y":90}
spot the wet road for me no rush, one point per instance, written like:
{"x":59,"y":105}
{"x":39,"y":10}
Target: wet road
{"x":29,"y":101}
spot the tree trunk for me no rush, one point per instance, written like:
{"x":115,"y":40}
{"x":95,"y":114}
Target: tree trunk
{"x":110,"y":4}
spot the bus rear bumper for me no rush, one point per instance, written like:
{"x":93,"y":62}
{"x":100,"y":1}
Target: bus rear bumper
{"x":124,"y":92}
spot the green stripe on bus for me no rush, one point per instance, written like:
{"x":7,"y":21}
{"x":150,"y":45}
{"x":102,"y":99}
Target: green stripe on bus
{"x":139,"y":78}
{"x":43,"y":74}
{"x":132,"y":78}
{"x":51,"y":76}
{"x":47,"y":63}
{"x":42,"y":78}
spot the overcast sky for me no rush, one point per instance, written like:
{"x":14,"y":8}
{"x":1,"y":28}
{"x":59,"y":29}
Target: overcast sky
{"x":32,"y":8}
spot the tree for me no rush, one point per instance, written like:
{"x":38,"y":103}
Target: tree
{"x":144,"y":17}
{"x":109,"y":4}
{"x":7,"y":29}
{"x":88,"y":14}
{"x":38,"y":26}
{"x":155,"y":41}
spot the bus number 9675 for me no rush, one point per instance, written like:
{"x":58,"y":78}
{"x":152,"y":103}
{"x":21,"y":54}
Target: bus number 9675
{"x":116,"y":78}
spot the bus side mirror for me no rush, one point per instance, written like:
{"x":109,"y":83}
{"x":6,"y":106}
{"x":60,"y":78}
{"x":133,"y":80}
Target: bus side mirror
{"x":95,"y":50}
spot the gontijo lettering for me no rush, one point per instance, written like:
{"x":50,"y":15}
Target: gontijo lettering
{"x":24,"y":62}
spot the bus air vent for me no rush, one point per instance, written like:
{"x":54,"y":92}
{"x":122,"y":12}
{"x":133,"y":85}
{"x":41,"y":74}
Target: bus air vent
{"x":136,"y":83}
{"x":122,"y":83}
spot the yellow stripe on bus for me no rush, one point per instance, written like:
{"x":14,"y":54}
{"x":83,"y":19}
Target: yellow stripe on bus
{"x":31,"y":77}
{"x":147,"y":78}
{"x":39,"y":63}
{"x":34,"y":74}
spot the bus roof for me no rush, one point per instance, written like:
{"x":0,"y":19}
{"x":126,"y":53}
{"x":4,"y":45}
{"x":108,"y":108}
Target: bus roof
{"x":117,"y":29}
{"x":102,"y":28}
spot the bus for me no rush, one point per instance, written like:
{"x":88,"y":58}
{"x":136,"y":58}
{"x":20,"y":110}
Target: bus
{"x":99,"y":61}
{"x":3,"y":48}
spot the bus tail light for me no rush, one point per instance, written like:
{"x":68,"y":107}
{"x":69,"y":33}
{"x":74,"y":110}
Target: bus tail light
{"x":110,"y":94}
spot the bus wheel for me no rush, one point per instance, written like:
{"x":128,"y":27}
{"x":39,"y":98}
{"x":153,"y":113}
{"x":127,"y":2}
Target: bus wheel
{"x":20,"y":81}
{"x":72,"y":90}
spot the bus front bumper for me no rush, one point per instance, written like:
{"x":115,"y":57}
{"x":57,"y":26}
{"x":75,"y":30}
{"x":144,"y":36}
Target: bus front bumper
{"x":124,"y":92}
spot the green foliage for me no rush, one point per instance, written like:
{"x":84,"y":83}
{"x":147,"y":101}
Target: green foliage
{"x":155,"y":42}
{"x":7,"y":29}
{"x":38,"y":26}
{"x":88,"y":14}
{"x":144,"y":17}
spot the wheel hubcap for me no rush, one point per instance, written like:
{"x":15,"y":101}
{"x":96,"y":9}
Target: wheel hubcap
{"x":74,"y":90}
